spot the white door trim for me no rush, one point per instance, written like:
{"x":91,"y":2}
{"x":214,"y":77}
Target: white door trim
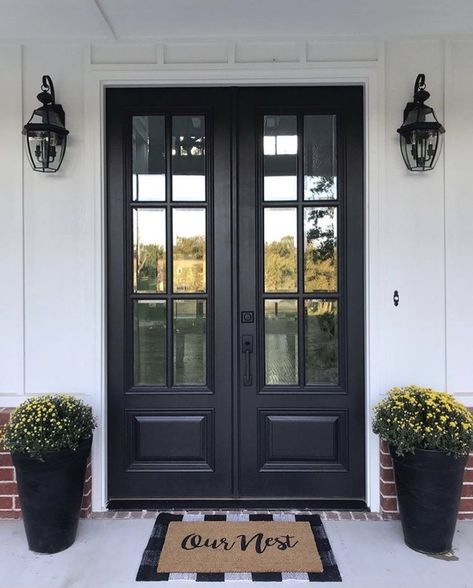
{"x":369,"y":74}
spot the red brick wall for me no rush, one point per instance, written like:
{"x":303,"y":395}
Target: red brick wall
{"x":9,"y":501}
{"x":388,"y":499}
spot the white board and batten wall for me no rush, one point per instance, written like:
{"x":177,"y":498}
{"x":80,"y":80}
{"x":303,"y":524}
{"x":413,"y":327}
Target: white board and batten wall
{"x":419,"y":226}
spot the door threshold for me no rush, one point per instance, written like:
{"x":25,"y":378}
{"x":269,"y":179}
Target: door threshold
{"x":237,"y":504}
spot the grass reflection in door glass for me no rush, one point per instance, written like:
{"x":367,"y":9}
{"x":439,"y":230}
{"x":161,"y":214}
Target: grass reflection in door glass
{"x":280,"y":341}
{"x":190,"y":342}
{"x":149,"y":342}
{"x":321,"y":342}
{"x":189,"y":259}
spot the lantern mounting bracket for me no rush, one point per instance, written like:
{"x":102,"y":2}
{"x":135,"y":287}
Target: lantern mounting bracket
{"x":47,"y":94}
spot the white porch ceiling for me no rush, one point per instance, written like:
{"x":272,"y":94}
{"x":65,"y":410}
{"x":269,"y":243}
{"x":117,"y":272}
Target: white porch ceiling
{"x":51,"y":20}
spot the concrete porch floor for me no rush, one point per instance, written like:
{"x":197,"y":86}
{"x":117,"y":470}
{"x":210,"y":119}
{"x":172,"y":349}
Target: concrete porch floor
{"x":107,"y":554}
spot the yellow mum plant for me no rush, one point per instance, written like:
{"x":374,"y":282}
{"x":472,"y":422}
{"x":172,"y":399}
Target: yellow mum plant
{"x":419,"y":418}
{"x":48,"y":423}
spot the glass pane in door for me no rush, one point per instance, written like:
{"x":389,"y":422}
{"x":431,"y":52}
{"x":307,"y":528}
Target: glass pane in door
{"x":149,"y":342}
{"x":280,"y":157}
{"x":321,"y":341}
{"x":320,"y":157}
{"x":281,"y":342}
{"x":149,"y":250}
{"x":188,"y":158}
{"x":149,"y":158}
{"x":280,"y":249}
{"x":190,"y":342}
{"x":189,"y":249}
{"x":320,"y":249}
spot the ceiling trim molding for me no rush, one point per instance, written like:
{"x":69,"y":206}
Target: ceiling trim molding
{"x":235,"y":53}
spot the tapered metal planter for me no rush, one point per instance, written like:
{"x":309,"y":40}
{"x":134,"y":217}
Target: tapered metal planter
{"x":429,"y":485}
{"x":50,"y":492}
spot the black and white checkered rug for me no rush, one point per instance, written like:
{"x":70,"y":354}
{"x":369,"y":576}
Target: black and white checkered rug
{"x":149,"y":562}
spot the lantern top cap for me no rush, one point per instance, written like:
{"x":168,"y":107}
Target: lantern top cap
{"x":417,"y":114}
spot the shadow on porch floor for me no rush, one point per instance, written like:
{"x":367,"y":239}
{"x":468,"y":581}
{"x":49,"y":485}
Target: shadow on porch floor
{"x":107,"y":553}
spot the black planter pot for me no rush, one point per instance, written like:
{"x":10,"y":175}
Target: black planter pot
{"x":50,"y":493}
{"x":429,"y":485}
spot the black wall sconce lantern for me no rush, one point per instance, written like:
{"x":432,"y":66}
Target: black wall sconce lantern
{"x":421,"y":133}
{"x":45,"y":133}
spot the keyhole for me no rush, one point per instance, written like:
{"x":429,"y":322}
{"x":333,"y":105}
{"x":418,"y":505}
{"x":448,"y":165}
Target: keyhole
{"x":396,"y":298}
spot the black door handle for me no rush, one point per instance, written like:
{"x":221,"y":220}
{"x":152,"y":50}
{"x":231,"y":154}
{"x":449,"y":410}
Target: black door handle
{"x":247,"y":349}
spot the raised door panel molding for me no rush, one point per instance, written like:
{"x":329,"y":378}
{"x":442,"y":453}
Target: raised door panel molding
{"x":170,"y":440}
{"x":301,"y":440}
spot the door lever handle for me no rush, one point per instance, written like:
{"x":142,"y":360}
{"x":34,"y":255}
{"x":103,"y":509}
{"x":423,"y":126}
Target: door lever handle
{"x":247,"y":349}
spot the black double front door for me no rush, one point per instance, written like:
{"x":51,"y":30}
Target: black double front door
{"x":235,"y":293}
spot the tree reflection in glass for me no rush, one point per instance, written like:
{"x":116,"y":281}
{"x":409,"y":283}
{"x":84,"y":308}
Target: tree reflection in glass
{"x":280,"y":251}
{"x":320,"y":157}
{"x":149,"y":250}
{"x":321,"y":342}
{"x":320,"y":249}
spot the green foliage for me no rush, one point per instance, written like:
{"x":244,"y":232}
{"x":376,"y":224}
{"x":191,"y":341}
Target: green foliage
{"x":320,"y":256}
{"x":48,"y":423}
{"x":280,"y":265}
{"x":419,"y":418}
{"x":189,"y":264}
{"x":190,"y":247}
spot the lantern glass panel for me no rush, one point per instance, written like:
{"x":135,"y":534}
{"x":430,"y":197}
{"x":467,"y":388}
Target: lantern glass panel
{"x":45,"y":149}
{"x":421,"y":148}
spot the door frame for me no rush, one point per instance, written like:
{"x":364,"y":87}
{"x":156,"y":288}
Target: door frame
{"x":368,"y":74}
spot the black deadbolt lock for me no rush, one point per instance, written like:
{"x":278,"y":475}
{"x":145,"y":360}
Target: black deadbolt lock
{"x":247,"y":316}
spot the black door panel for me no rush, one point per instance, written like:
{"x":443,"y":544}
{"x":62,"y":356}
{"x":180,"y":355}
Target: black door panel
{"x":169,"y":354}
{"x":301,"y":272}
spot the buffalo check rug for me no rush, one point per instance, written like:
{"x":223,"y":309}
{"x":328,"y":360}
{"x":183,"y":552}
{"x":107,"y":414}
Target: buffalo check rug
{"x":258,"y":548}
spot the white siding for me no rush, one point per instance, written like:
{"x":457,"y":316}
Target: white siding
{"x":412,"y":231}
{"x":459,"y":216}
{"x":11,"y":223}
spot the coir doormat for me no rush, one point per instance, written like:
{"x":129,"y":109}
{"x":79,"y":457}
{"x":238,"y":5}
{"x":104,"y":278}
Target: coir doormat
{"x":218,"y":548}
